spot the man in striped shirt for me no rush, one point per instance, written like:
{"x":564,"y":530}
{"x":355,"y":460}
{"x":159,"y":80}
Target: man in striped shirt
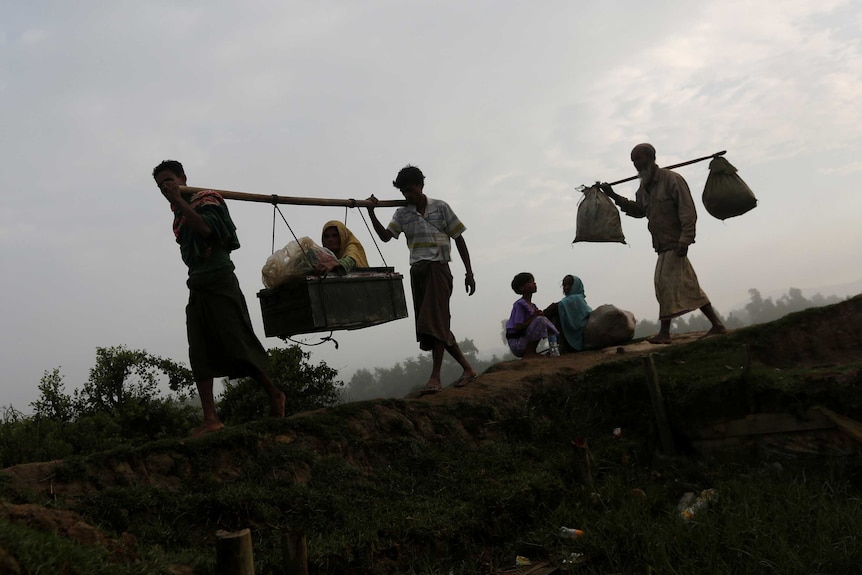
{"x":428,"y":225}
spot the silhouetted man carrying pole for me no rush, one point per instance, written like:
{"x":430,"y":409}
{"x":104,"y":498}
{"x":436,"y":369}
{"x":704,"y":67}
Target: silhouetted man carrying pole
{"x":221,"y":339}
{"x":429,"y":224}
{"x":665,"y":200}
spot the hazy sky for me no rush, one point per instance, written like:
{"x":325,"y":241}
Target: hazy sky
{"x":506,"y":106}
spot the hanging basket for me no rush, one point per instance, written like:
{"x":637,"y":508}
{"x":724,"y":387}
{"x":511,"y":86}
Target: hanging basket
{"x":363,"y":298}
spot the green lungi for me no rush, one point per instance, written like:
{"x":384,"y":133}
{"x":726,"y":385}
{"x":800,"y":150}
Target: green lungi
{"x":222,"y":342}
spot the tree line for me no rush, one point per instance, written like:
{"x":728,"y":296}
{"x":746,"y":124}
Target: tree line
{"x":757,"y":310}
{"x":411,"y":374}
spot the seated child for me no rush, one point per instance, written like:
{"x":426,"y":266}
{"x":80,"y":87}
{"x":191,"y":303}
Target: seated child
{"x":527,"y":325}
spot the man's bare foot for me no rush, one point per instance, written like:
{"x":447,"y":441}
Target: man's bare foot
{"x":715,"y":330}
{"x":660,"y":338}
{"x":207,"y":427}
{"x":277,"y":408}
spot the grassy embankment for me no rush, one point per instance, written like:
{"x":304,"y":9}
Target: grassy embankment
{"x":403,"y":486}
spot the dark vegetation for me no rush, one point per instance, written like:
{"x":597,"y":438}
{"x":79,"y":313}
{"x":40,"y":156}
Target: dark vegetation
{"x":122,"y":404}
{"x":457,"y":485}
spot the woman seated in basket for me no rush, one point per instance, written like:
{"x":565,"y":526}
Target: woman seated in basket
{"x":527,"y":325}
{"x":570,"y":314}
{"x":349,"y":253}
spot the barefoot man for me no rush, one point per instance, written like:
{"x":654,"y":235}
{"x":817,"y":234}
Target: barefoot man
{"x":221,"y":339}
{"x":428,"y":225}
{"x":665,"y":200}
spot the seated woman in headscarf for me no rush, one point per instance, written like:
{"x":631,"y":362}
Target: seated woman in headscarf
{"x":570,"y":314}
{"x":348,"y":251}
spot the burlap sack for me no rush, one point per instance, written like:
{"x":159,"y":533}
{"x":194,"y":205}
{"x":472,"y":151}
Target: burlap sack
{"x":725,"y":195}
{"x":598,"y":218}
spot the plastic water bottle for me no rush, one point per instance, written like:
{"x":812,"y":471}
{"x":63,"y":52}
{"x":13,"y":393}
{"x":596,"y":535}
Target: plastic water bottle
{"x":553,"y":346}
{"x":569,"y":533}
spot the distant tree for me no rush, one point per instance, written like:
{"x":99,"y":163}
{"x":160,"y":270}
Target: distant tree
{"x":692,"y":322}
{"x":819,"y":301}
{"x":645,"y":328}
{"x":120,"y":404}
{"x":362,"y":384}
{"x":409,"y":375}
{"x":762,"y":310}
{"x":794,"y":301}
{"x":14,"y":437}
{"x":53,"y":402}
{"x":123,"y":395}
{"x":734,"y":320}
{"x":125,"y":380}
{"x":305,"y":386}
{"x":757,"y":310}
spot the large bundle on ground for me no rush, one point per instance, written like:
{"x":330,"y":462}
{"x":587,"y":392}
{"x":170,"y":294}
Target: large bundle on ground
{"x":608,"y":325}
{"x":598,"y":218}
{"x":725,"y":195}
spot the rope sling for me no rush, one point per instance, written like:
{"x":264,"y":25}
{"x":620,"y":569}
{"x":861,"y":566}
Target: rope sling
{"x":321,"y":296}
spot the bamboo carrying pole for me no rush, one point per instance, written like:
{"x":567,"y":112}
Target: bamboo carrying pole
{"x":715,"y":155}
{"x":664,"y":431}
{"x":274,"y":199}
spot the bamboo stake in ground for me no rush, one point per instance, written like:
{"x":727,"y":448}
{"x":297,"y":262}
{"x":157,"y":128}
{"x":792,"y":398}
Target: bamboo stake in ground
{"x":274,"y":199}
{"x":664,"y":431}
{"x":234,"y":553}
{"x":295,"y":551}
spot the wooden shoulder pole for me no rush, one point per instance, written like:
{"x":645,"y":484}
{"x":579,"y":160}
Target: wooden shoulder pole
{"x":715,"y":155}
{"x":274,"y":199}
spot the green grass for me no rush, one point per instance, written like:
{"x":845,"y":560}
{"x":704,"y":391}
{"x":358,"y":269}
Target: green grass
{"x":467,"y":507}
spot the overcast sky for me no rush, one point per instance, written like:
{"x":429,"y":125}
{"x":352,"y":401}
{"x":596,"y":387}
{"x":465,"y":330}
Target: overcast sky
{"x":507,"y":106}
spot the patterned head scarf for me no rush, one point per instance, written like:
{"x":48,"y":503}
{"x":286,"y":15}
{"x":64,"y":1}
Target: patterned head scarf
{"x":350,"y":246}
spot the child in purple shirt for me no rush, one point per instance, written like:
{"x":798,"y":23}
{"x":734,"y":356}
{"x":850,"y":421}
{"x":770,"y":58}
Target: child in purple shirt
{"x":527,"y":325}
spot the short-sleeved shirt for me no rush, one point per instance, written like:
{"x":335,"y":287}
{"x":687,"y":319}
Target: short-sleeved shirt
{"x":427,"y":234}
{"x":522,"y":310}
